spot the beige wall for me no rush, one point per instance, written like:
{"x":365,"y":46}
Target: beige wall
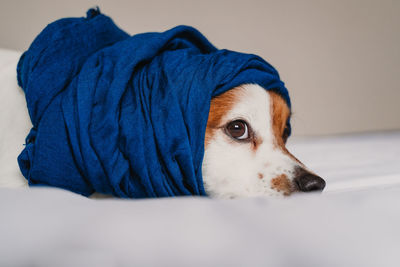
{"x":339,"y":59}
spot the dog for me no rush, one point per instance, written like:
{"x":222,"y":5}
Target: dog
{"x":245,"y":153}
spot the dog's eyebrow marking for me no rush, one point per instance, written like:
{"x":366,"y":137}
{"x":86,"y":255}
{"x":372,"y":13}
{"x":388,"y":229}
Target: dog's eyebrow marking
{"x":260,"y":175}
{"x":219,"y":107}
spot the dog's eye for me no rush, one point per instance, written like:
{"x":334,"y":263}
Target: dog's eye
{"x":238,"y":130}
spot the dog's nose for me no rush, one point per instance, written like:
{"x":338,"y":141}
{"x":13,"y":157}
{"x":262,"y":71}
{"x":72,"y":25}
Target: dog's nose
{"x":307,"y":181}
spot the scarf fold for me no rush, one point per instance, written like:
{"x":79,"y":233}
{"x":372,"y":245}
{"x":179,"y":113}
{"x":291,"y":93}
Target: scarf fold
{"x":125,"y":115}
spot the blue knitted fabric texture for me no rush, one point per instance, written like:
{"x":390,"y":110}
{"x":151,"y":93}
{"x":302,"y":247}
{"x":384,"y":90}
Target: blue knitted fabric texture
{"x":125,"y":115}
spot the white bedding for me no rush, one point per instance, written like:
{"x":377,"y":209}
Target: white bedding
{"x":50,"y":227}
{"x":14,"y":119}
{"x":355,"y":222}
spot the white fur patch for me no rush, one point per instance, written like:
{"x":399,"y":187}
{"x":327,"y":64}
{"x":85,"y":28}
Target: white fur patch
{"x":233,"y":169}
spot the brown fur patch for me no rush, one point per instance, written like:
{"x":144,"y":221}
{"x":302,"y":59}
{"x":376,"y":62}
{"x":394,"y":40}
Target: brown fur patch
{"x":260,"y":175}
{"x":219,"y":107}
{"x":280,"y":112}
{"x":282,"y":184}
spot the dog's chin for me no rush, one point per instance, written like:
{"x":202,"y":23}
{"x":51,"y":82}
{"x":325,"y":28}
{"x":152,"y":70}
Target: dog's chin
{"x":234,"y":195}
{"x":220,"y":188}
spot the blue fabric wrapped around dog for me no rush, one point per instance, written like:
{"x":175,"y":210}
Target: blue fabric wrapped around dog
{"x":125,"y":115}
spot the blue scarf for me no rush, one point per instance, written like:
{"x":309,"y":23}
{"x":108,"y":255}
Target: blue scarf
{"x":125,"y":115}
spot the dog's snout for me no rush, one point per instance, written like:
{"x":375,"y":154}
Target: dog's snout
{"x":307,"y":181}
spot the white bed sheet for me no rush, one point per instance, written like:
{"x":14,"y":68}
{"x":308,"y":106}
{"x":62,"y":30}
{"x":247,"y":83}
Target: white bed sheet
{"x":355,"y":222}
{"x":50,"y":227}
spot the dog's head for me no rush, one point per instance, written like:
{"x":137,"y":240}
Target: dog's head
{"x":245,"y":153}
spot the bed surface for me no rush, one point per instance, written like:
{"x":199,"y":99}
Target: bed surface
{"x":354,"y":222}
{"x":50,"y":227}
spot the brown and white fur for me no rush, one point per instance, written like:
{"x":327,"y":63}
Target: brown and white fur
{"x":258,"y":164}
